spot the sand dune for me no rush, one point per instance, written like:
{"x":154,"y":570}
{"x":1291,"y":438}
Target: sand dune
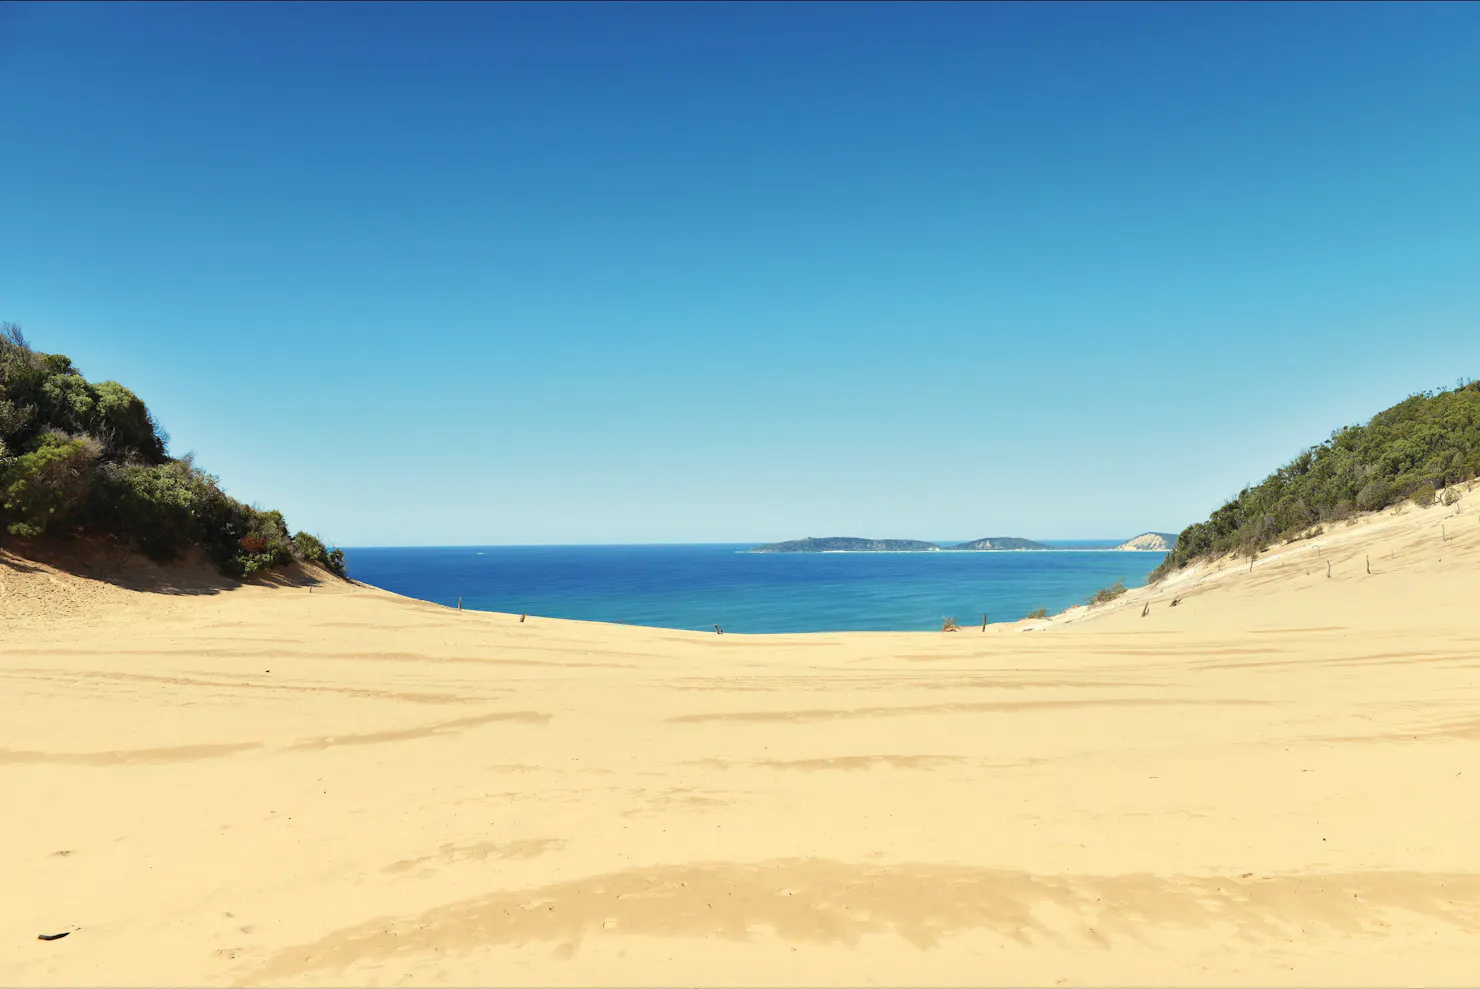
{"x":1275,"y":781}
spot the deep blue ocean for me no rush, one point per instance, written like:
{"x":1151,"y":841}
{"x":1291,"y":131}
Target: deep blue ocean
{"x":698,"y":586}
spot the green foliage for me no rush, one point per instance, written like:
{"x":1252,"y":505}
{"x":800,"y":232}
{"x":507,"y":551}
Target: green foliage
{"x":266,"y":544}
{"x":156,"y":504}
{"x":1040,"y":613}
{"x":78,"y":458}
{"x":1424,"y":443}
{"x":311,"y":549}
{"x":121,"y":419}
{"x":1107,"y":594}
{"x":47,"y":488}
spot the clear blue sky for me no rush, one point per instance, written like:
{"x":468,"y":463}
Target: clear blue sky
{"x":531,"y":274}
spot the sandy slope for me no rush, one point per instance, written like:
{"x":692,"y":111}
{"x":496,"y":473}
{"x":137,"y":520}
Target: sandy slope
{"x":1275,"y":781}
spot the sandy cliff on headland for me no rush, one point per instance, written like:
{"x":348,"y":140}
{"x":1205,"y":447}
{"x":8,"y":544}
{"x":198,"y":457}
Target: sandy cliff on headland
{"x":1260,"y":775}
{"x":1150,"y":542}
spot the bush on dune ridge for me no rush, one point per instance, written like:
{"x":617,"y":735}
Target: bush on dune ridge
{"x":1417,"y":447}
{"x":1107,"y":594}
{"x":80,"y":459}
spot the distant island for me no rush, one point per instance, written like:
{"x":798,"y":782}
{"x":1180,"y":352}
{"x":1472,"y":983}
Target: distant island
{"x":1146,"y":542}
{"x":855,"y":544}
{"x":847,"y":544}
{"x":999,"y":543}
{"x":1150,"y":542}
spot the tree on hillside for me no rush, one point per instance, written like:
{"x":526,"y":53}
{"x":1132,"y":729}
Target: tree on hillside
{"x":1423,"y":444}
{"x":85,"y":459}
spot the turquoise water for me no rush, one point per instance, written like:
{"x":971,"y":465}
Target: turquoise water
{"x":698,"y":586}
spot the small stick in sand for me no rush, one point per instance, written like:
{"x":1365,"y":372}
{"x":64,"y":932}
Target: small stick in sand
{"x":1369,"y":564}
{"x":717,"y":629}
{"x":459,"y":604}
{"x":1146,"y":610}
{"x":1328,"y":568}
{"x":984,"y":623}
{"x":521,"y":616}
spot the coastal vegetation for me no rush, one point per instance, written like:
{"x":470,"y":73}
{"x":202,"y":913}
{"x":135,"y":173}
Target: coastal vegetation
{"x":1107,"y":594}
{"x":85,"y":459}
{"x":1411,"y":451}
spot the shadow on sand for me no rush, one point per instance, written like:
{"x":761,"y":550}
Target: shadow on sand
{"x":123,"y":567}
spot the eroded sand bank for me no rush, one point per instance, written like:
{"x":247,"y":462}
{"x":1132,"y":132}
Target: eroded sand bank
{"x":1275,"y":781}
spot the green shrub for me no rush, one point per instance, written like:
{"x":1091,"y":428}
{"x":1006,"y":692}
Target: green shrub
{"x":1107,"y":594}
{"x":125,"y":425}
{"x":84,"y":459}
{"x":1040,"y":613}
{"x":13,"y":420}
{"x":242,"y":540}
{"x":1375,"y":495}
{"x":311,"y":549}
{"x":1424,"y":495}
{"x":152,"y":506}
{"x":1423,"y":443}
{"x":47,"y":487}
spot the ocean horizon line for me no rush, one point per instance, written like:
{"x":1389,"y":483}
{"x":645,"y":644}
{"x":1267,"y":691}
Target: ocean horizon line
{"x":699,"y":586}
{"x":1054,"y":544}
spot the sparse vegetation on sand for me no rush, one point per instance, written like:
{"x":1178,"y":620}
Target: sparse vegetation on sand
{"x":1413,"y":450}
{"x":85,"y":459}
{"x":1107,"y":594}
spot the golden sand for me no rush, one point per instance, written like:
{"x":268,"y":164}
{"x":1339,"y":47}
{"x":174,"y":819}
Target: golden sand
{"x":1277,"y":781}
